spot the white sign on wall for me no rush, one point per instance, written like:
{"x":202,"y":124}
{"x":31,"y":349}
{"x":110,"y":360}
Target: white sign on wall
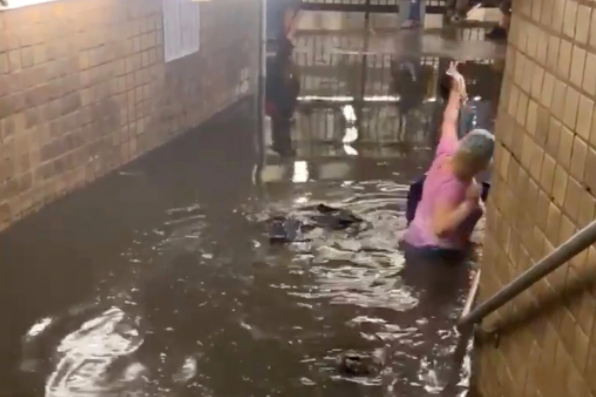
{"x":181,"y":28}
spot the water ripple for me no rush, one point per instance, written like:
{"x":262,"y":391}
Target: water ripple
{"x":164,"y":331}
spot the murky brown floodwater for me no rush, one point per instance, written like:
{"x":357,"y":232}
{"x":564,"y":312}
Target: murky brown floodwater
{"x":160,"y":280}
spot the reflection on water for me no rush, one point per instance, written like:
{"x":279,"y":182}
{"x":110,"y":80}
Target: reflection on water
{"x":85,"y":356}
{"x":391,"y":81}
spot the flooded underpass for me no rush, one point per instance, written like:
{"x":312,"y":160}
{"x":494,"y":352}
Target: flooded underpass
{"x":162,"y":280}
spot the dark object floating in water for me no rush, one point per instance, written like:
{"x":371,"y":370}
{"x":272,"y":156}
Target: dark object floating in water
{"x":285,"y":229}
{"x":334,"y":218}
{"x":357,"y":364}
{"x":415,"y":195}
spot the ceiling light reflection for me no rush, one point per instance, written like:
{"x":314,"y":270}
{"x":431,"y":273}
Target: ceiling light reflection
{"x":382,"y":98}
{"x":349,"y":113}
{"x":300,"y":172}
{"x":350,"y":136}
{"x":350,"y":151}
{"x":315,"y":98}
{"x":347,"y":99}
{"x":376,"y":98}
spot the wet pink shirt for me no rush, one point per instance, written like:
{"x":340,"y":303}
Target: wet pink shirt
{"x":441,"y":184}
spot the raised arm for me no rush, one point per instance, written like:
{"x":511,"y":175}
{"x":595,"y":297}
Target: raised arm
{"x":457,"y":95}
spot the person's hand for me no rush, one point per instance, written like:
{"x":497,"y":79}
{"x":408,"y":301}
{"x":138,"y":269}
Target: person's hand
{"x":473,"y":193}
{"x":458,"y":83}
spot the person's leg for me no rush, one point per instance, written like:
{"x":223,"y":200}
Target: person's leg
{"x":422,"y":12}
{"x":281,"y":133}
{"x":404,"y":13}
{"x":412,"y":13}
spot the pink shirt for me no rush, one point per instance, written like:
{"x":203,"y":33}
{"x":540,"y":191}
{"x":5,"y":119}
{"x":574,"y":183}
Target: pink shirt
{"x":441,"y":184}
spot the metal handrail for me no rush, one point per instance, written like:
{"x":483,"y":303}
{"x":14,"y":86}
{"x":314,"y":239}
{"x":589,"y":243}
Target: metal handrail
{"x":570,"y":248}
{"x":471,"y":294}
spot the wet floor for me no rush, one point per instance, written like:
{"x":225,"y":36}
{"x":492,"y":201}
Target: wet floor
{"x":160,"y":279}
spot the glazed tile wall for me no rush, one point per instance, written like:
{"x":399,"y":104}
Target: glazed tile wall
{"x":84,"y":89}
{"x":545,"y":190}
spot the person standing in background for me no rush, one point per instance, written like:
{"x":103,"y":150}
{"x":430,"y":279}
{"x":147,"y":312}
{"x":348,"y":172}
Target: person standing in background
{"x":282,"y":84}
{"x":499,"y":33}
{"x":281,"y":18}
{"x":282,"y":87}
{"x":412,"y":13}
{"x":456,"y":10}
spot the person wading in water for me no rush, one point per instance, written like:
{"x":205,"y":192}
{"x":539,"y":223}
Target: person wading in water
{"x":450,"y":206}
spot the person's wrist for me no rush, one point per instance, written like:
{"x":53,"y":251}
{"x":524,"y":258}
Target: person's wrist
{"x":468,"y":205}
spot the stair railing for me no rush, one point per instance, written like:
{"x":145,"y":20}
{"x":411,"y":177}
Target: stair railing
{"x":566,"y":251}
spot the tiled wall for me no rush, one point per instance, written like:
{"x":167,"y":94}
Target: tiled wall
{"x":545,"y":177}
{"x":84,"y":89}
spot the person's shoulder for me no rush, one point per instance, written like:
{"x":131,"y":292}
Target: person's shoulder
{"x":440,"y":162}
{"x":441,"y":173}
{"x":448,"y":144}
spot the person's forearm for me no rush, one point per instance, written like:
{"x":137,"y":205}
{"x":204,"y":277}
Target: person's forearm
{"x":455,"y":218}
{"x":451,"y":114}
{"x":449,"y":126}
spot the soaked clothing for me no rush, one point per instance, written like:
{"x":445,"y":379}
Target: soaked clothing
{"x":441,"y":184}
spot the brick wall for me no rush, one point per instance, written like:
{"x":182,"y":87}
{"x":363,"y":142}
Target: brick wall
{"x":84,"y":89}
{"x":545,"y":189}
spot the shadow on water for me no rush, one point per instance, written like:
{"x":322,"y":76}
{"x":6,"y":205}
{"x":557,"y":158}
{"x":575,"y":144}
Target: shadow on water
{"x":160,"y":280}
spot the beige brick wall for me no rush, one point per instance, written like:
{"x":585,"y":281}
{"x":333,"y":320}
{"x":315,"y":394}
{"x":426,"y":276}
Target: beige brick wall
{"x":545,"y":189}
{"x":84,"y":89}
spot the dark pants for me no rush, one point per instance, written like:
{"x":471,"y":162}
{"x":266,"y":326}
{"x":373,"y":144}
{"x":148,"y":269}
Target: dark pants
{"x":282,"y":88}
{"x":281,"y":134}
